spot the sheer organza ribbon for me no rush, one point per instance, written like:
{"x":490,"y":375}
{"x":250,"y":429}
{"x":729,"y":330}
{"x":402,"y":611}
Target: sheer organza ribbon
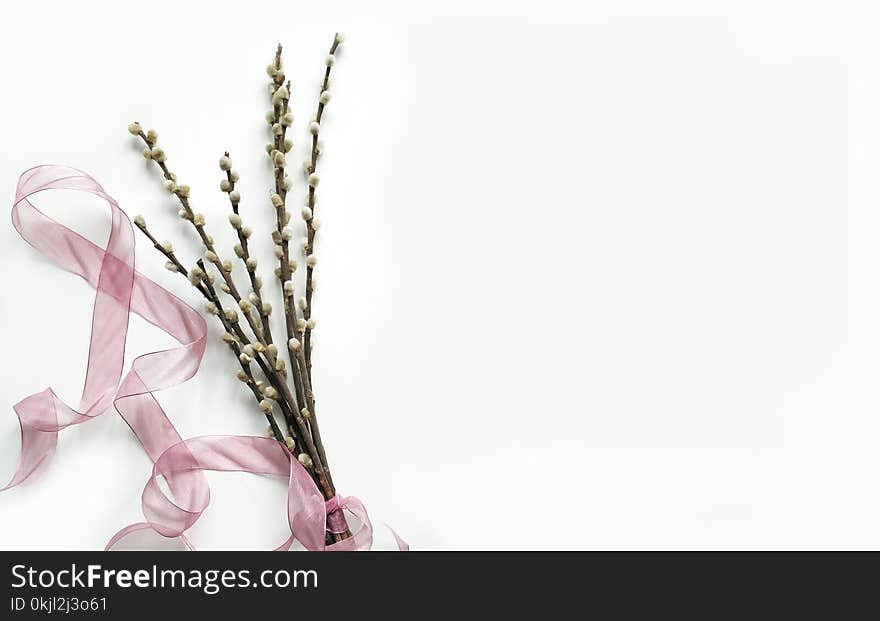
{"x":120,"y":290}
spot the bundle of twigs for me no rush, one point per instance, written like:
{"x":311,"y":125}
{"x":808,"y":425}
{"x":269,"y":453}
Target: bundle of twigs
{"x":277,"y":387}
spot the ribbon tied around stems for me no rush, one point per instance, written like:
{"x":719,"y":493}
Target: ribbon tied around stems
{"x":119,"y":291}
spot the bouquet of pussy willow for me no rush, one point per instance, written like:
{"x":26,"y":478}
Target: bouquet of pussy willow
{"x":276,"y":369}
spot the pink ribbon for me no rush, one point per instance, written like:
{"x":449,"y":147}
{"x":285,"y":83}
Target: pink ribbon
{"x":120,"y":290}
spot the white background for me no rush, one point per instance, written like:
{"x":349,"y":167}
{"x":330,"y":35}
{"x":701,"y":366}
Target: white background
{"x":593,"y":277}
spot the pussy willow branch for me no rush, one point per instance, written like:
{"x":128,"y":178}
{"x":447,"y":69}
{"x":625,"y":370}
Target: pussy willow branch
{"x":311,"y":230}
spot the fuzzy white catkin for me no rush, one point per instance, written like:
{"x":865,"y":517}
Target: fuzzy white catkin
{"x":225,"y":163}
{"x":254,"y":298}
{"x":135,"y":129}
{"x":288,"y":145}
{"x":266,"y":405}
{"x":314,"y":179}
{"x":233,"y":174}
{"x":170,"y":266}
{"x":227,"y":265}
{"x":340,"y":37}
{"x":306,"y":213}
{"x":316,"y":224}
{"x":235,"y":197}
{"x":251,"y":264}
{"x":168,"y":247}
{"x":183,"y":215}
{"x":293,"y":265}
{"x":225,"y":186}
{"x":139,"y":220}
{"x":286,"y":233}
{"x":330,"y":60}
{"x":324,"y":97}
{"x":239,"y":251}
{"x":314,"y":127}
{"x":279,"y":252}
{"x":244,"y":304}
{"x":293,"y":345}
{"x":183,"y":190}
{"x":277,"y":201}
{"x":287,"y":119}
{"x":288,"y":288}
{"x":279,"y":160}
{"x":210,"y":256}
{"x":246,"y":232}
{"x":235,"y":220}
{"x":199,"y":219}
{"x":310,"y":324}
{"x":271,"y":393}
{"x":302,"y":303}
{"x":170,"y":186}
{"x":300,"y":324}
{"x":270,"y":117}
{"x":152,"y":135}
